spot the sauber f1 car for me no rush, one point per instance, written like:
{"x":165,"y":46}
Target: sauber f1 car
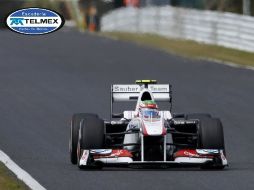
{"x":146,"y":137}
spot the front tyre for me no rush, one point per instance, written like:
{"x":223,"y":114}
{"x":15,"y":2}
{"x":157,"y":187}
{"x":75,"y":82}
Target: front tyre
{"x":91,"y":136}
{"x":211,"y":134}
{"x":74,"y":129}
{"x":211,"y":137}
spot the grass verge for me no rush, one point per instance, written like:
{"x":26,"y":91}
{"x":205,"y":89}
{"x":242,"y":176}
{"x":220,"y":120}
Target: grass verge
{"x":8,"y":180}
{"x":187,"y":48}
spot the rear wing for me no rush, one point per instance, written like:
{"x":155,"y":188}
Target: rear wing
{"x":130,"y":92}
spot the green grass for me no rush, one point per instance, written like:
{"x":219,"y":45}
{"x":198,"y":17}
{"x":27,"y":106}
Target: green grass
{"x":187,"y":48}
{"x":8,"y":180}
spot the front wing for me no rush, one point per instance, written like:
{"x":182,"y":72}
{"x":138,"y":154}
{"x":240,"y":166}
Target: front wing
{"x":182,"y":158}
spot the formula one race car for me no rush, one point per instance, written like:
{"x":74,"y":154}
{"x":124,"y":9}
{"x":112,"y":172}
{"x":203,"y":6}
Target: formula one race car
{"x":146,"y":137}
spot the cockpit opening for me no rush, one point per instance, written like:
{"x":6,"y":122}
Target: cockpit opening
{"x":146,"y":96}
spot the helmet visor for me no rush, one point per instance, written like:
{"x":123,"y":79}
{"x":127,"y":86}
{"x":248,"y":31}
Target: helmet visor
{"x":150,"y":113}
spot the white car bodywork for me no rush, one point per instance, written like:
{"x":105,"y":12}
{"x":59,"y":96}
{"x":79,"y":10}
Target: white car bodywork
{"x":148,"y":127}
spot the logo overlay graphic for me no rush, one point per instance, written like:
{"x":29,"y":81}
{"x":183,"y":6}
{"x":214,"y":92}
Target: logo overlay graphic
{"x":34,"y":21}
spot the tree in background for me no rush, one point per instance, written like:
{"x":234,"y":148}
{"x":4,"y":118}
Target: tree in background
{"x":235,"y":6}
{"x":7,"y":6}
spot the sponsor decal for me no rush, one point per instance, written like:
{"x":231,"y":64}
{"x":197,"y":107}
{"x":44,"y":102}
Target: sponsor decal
{"x":121,"y":153}
{"x":116,"y":122}
{"x":84,"y":157}
{"x":158,"y":87}
{"x":191,"y":153}
{"x":207,"y":151}
{"x":222,"y":155}
{"x":136,"y":88}
{"x":179,"y":122}
{"x":126,"y":88}
{"x":199,"y":153}
{"x":223,"y":158}
{"x":101,"y":151}
{"x":34,"y":21}
{"x":184,"y":122}
{"x":115,"y":154}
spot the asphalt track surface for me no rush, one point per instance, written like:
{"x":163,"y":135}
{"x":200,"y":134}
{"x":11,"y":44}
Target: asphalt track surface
{"x":44,"y":79}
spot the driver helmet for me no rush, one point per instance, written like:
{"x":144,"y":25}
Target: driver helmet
{"x":148,"y":109}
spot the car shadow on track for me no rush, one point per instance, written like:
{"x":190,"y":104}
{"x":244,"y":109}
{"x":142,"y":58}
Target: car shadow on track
{"x":106,"y":169}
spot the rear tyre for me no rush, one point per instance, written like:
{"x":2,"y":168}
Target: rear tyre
{"x":74,"y":129}
{"x":211,"y":137}
{"x":91,"y":136}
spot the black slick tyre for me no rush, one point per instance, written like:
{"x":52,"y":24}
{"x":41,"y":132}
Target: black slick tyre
{"x":211,"y":137}
{"x":91,"y":136}
{"x":74,"y":130}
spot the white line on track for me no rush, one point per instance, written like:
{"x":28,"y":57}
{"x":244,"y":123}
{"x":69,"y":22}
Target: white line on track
{"x":20,"y":173}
